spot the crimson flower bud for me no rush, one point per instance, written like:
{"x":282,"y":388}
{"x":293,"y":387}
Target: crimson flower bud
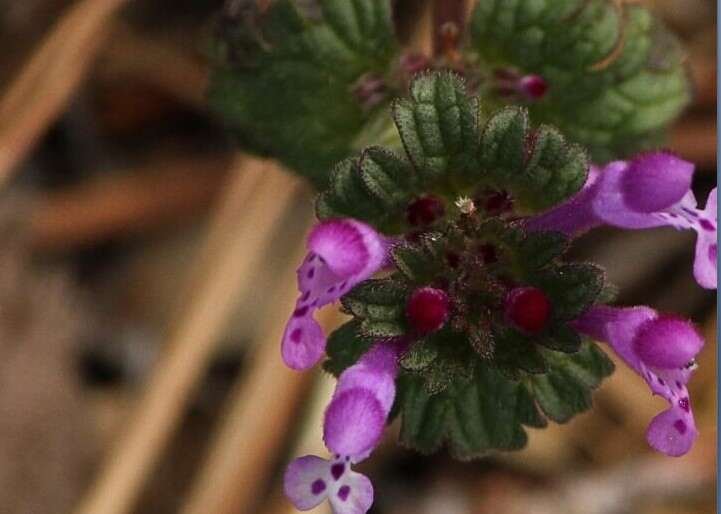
{"x":428,"y":309}
{"x":425,"y":210}
{"x":533,"y":87}
{"x":528,"y":308}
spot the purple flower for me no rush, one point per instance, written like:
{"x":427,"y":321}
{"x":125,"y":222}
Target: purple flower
{"x":310,"y":479}
{"x":652,"y":190}
{"x":354,"y":423}
{"x":662,"y":350}
{"x":342,"y":253}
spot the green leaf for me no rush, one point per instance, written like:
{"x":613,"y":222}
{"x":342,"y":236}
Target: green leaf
{"x":420,"y":355}
{"x":382,"y":329}
{"x":376,"y":187}
{"x":572,"y":288}
{"x":283,"y":83}
{"x":514,"y":352}
{"x":442,"y":359}
{"x":561,"y":338}
{"x":347,"y":196}
{"x":554,"y":171}
{"x":379,"y":304}
{"x":388,"y":178}
{"x":345,"y":346}
{"x":424,"y":416}
{"x":422,"y":262}
{"x":503,"y":143}
{"x":488,"y":413}
{"x":616,"y":75}
{"x":537,"y":249}
{"x":377,"y":299}
{"x":438,"y":125}
{"x":565,"y":390}
{"x":540,"y":168}
{"x":484,"y":415}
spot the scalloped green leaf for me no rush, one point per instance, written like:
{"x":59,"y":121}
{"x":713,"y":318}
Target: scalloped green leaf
{"x":375,"y":187}
{"x":283,"y":80}
{"x":616,"y":76}
{"x":438,"y":125}
{"x":347,"y":196}
{"x":572,"y":288}
{"x":539,"y":167}
{"x":566,"y":389}
{"x":344,"y":347}
{"x":489,"y":413}
{"x":483,"y":415}
{"x":420,"y":263}
{"x":381,"y":300}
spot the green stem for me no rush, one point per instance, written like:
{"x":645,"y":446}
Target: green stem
{"x":447,"y":11}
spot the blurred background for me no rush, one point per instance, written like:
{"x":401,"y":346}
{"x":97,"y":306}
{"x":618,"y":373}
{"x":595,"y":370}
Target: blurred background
{"x":147,"y":266}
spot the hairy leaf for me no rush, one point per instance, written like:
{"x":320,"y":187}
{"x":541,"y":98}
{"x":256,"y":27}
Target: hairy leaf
{"x":616,"y":75}
{"x":284,"y":82}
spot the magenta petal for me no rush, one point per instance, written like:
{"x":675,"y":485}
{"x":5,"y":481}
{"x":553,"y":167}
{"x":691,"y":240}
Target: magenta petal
{"x":672,"y":432}
{"x":656,"y":181}
{"x":617,"y":327}
{"x":343,"y":253}
{"x":354,"y":494}
{"x":667,"y":342}
{"x":705,"y":266}
{"x":354,"y":422}
{"x":376,"y":371}
{"x":646,"y":340}
{"x":573,"y":216}
{"x":347,"y":246}
{"x":307,"y":481}
{"x":610,"y":203}
{"x":303,"y":342}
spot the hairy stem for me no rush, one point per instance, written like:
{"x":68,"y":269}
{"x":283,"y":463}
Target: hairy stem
{"x":445,"y":13}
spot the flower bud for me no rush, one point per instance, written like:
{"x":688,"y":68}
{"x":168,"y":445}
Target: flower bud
{"x":528,"y":309}
{"x":425,"y":210}
{"x":428,"y":309}
{"x":533,"y":87}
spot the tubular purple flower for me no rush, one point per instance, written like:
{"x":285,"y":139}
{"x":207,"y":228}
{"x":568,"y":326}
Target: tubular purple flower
{"x":575,"y":215}
{"x":652,"y":190}
{"x":341,"y":253}
{"x":661,"y":349}
{"x":354,"y":422}
{"x":357,"y":414}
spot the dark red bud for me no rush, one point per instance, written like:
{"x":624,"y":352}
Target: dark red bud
{"x":424,"y":211}
{"x":453,"y":259}
{"x":528,"y":309}
{"x":499,"y":203}
{"x":428,"y":309}
{"x":488,"y":254}
{"x":370,"y":90}
{"x":412,"y":63}
{"x":534,"y":87}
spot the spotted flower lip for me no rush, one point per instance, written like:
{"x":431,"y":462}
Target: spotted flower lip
{"x":310,"y":479}
{"x":652,"y":190}
{"x":341,"y":253}
{"x":661,"y":349}
{"x":354,"y":422}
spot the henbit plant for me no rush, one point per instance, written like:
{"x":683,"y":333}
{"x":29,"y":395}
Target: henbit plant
{"x":447,"y":243}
